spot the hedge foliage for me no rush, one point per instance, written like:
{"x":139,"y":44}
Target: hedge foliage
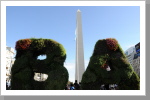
{"x":107,"y":52}
{"x":27,"y":64}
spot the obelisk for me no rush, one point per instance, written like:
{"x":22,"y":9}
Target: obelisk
{"x":79,"y":70}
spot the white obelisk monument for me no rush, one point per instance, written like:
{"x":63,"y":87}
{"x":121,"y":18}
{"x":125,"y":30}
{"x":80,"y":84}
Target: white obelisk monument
{"x":79,"y":67}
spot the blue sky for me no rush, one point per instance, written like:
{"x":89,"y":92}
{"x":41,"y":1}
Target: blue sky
{"x":59,"y":23}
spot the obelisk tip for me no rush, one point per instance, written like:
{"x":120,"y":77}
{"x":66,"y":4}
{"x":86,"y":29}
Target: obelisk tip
{"x":78,"y":10}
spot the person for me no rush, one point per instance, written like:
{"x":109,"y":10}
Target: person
{"x":72,"y":87}
{"x":76,"y":85}
{"x":102,"y":87}
{"x":106,"y":86}
{"x":66,"y":88}
{"x":79,"y":85}
{"x":6,"y":85}
{"x":112,"y":86}
{"x":116,"y":87}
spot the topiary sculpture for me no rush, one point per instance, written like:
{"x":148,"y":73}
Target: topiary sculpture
{"x":108,"y":65}
{"x":27,"y":64}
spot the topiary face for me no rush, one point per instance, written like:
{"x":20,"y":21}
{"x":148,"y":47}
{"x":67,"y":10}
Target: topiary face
{"x":108,"y":65}
{"x":27,"y":64}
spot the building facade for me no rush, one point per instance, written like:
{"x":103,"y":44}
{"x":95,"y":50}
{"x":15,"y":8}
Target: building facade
{"x":130,"y":54}
{"x":9,"y":61}
{"x":136,"y":59}
{"x":136,"y":65}
{"x":133,"y":56}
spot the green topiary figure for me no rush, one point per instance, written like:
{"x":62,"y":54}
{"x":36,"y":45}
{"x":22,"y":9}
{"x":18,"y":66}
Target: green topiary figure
{"x":27,"y":64}
{"x":109,"y":65}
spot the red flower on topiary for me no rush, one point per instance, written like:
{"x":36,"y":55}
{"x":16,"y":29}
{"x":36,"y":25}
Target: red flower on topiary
{"x":112,"y":44}
{"x":104,"y":66}
{"x":23,"y":44}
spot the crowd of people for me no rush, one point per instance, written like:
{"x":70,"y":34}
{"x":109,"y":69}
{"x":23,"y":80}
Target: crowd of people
{"x":74,"y":86}
{"x":77,"y":86}
{"x":109,"y":87}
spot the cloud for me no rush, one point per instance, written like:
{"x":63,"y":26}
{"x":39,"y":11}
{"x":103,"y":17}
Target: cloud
{"x":69,"y":65}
